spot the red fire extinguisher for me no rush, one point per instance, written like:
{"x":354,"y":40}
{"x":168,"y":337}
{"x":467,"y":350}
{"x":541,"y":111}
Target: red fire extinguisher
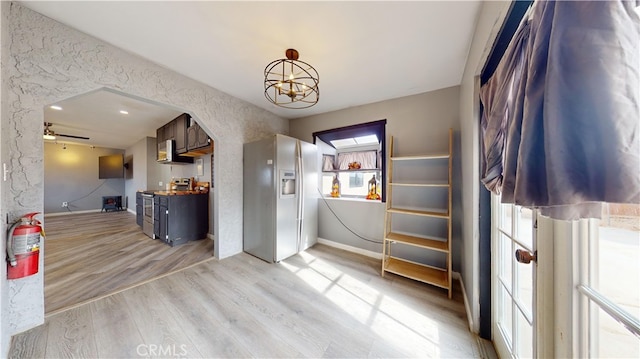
{"x":23,"y":247}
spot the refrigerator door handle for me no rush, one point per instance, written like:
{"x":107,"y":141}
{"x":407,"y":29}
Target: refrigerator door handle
{"x":300,"y":201}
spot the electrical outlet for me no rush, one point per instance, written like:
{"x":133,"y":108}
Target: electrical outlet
{"x":65,"y":204}
{"x":160,"y":183}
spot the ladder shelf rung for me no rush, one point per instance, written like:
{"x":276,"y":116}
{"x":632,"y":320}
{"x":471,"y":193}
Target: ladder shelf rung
{"x":421,"y":157}
{"x":423,"y":273}
{"x":422,"y":212}
{"x":433,"y":244}
{"x":415,"y":184}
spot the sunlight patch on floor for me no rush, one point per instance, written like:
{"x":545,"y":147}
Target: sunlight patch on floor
{"x":407,"y":330}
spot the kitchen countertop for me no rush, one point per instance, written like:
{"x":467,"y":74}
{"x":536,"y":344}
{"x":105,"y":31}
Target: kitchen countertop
{"x":175,"y":193}
{"x":178,"y":193}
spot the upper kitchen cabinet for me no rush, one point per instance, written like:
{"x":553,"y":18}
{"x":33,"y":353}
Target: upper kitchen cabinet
{"x":166,"y":132}
{"x":189,"y":138}
{"x":197,"y":139}
{"x":180,"y":124}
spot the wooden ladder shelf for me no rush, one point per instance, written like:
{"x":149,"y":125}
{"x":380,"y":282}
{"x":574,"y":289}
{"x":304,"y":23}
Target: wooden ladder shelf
{"x":436,"y":275}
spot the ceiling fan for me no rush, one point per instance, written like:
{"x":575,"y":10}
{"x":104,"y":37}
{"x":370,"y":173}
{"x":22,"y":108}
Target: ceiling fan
{"x":50,"y":135}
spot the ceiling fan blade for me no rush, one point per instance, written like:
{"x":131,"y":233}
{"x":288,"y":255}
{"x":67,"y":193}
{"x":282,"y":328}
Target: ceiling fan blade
{"x":72,"y":136}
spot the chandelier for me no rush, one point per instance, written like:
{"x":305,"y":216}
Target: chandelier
{"x":291,"y":83}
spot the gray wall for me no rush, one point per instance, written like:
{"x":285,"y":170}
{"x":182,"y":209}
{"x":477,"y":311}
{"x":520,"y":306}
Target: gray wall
{"x":71,"y":175}
{"x":489,"y":21}
{"x":43,"y":62}
{"x":419,"y":124}
{"x":136,"y":155}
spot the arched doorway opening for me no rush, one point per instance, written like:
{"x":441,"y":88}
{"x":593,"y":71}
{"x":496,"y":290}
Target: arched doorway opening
{"x":91,"y":251}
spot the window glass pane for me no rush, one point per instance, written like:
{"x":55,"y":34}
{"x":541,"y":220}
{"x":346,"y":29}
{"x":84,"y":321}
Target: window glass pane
{"x":352,"y":184}
{"x":615,"y":257}
{"x":614,"y":272}
{"x":525,"y":227}
{"x":524,"y":346}
{"x":505,"y":320}
{"x":506,"y":255}
{"x":367,"y":140}
{"x":327,"y":180}
{"x":347,"y":142}
{"x":524,"y":285}
{"x":609,"y":339}
{"x":506,"y":216}
{"x":355,"y":180}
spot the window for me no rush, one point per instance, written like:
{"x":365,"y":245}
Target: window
{"x":351,"y":184}
{"x":354,"y":156}
{"x":611,"y":283}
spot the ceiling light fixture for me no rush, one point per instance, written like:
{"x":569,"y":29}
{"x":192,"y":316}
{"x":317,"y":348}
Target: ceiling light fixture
{"x":55,"y":107}
{"x":291,"y":83}
{"x":124,"y":112}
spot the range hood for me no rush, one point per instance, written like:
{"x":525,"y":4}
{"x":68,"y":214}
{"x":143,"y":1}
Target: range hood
{"x":167,"y":154}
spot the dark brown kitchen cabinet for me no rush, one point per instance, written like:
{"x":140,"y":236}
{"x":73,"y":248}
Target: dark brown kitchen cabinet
{"x":197,"y":138}
{"x":166,"y":132}
{"x":181,"y":218}
{"x":175,"y":130}
{"x":160,"y":134}
{"x":170,"y":131}
{"x":180,"y":131}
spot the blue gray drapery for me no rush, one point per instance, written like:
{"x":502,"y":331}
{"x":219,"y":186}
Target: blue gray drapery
{"x":561,"y":113}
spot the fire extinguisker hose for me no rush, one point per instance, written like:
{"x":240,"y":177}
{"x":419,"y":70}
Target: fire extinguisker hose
{"x":11,"y":257}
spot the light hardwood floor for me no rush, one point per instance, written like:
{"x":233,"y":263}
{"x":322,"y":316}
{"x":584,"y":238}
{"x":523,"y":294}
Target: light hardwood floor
{"x":323,"y":302}
{"x":95,"y":254}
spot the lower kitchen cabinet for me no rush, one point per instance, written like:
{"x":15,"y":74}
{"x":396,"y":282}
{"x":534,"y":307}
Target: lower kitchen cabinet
{"x":139,"y":209}
{"x":181,"y":218}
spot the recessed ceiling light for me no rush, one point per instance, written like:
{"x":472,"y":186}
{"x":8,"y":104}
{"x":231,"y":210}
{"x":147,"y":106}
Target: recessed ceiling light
{"x":54,"y":107}
{"x":124,"y":112}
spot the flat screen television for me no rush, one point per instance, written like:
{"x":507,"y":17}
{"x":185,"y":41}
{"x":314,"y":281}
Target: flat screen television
{"x":111,"y":166}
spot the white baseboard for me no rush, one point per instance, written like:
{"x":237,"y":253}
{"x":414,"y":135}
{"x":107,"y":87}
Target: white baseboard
{"x":467,"y":306}
{"x":58,"y":214}
{"x":349,"y":248}
{"x":131,"y":210}
{"x":211,"y":236}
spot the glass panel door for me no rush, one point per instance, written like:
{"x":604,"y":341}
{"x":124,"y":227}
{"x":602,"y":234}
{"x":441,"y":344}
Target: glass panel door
{"x":610,"y":283}
{"x":513,"y":229}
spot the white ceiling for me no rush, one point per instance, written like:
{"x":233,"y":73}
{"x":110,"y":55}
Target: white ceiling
{"x":97,"y":115}
{"x":364,"y":51}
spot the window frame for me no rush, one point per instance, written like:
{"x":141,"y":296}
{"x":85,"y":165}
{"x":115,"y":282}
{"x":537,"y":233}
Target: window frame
{"x":375,"y":127}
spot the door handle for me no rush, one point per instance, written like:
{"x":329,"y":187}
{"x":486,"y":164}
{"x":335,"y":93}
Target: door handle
{"x":524,"y":256}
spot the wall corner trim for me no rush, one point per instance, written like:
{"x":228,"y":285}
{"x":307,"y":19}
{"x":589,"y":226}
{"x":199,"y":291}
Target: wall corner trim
{"x":467,"y":307}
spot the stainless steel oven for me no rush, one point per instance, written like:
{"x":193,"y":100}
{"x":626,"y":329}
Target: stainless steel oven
{"x":147,"y":210}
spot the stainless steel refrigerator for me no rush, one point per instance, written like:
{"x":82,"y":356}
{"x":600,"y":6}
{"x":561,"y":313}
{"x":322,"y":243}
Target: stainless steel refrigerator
{"x":280,"y":197}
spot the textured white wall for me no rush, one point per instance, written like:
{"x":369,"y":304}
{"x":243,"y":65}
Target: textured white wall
{"x":5,"y":331}
{"x":45,"y":62}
